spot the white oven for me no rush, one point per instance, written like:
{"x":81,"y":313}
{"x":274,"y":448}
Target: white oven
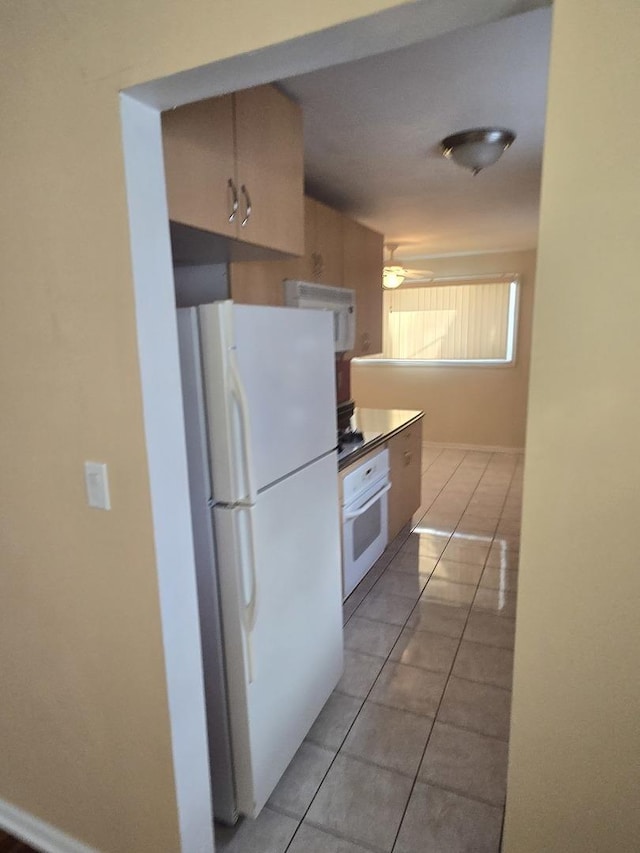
{"x":365,"y":518}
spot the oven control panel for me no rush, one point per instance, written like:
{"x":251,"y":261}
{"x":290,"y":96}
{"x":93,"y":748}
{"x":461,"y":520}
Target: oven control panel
{"x":372,"y":469}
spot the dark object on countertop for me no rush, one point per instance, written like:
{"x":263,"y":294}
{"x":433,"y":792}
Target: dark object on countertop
{"x":345,"y":413}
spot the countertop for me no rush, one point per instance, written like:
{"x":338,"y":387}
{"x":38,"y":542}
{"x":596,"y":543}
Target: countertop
{"x":377,"y":426}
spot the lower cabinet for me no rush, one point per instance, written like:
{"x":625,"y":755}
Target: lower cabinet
{"x":405,"y":462}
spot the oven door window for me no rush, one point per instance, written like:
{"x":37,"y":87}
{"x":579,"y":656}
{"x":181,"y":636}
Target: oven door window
{"x":366,"y":529}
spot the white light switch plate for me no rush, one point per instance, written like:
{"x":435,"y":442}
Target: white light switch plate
{"x":97,"y":482}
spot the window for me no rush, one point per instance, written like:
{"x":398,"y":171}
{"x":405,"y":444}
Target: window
{"x":452,"y":321}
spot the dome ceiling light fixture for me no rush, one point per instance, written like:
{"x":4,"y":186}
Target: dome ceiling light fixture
{"x":477,"y":148}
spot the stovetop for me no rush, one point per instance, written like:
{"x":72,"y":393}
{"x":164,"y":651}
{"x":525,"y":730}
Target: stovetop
{"x":351,"y":440}
{"x":348,"y":441}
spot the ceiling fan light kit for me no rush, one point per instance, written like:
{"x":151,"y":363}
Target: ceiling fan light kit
{"x":477,"y":148}
{"x":393,"y":274}
{"x":392,"y":277}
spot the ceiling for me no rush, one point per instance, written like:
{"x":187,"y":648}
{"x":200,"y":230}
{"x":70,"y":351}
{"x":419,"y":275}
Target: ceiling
{"x":372,"y":132}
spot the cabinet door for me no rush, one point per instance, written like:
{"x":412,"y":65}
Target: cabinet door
{"x":260,"y":282}
{"x":405,"y":463}
{"x":257,"y":282}
{"x":326,"y":244}
{"x":269,"y":155}
{"x":363,"y":253}
{"x":199,"y":160}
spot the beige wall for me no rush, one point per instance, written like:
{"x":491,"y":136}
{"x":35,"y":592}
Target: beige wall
{"x":84,"y":735}
{"x":84,"y":729}
{"x":575,"y":740}
{"x":463,"y":405}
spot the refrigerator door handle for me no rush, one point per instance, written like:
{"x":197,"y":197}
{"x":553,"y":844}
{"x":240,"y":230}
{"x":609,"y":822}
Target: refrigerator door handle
{"x":250,"y":605}
{"x":239,"y":395}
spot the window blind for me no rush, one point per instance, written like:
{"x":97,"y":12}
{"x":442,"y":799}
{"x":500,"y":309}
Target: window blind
{"x":471,"y":321}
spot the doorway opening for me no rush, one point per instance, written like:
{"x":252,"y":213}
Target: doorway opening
{"x":158,"y":344}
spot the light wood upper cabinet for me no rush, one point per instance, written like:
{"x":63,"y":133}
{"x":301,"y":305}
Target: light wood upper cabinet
{"x":257,"y":282}
{"x":260,"y":283}
{"x":199,"y":161}
{"x":244,"y":148}
{"x":405,"y":464}
{"x":270,"y":169}
{"x":362,"y":265}
{"x":325,"y":243}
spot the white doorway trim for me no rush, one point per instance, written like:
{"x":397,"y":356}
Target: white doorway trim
{"x":167,"y":466}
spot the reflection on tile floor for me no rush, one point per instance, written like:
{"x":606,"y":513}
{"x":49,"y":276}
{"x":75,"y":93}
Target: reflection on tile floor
{"x":410,"y":752}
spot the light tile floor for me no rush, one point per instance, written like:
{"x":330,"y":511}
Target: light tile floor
{"x":410,"y":752}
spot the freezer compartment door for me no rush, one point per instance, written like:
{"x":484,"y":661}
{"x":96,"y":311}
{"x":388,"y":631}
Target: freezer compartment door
{"x":270,"y":390}
{"x":279,"y":568}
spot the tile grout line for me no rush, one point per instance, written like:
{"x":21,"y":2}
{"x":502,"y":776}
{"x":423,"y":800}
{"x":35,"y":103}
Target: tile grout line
{"x":479,"y":611}
{"x":414,"y":714}
{"x":442,"y":488}
{"x":386,"y":660}
{"x":438,"y":455}
{"x":513,"y":473}
{"x":405,"y":539}
{"x":435,"y":716}
{"x":423,"y":668}
{"x":460,"y":643}
{"x":417,"y":525}
{"x":405,"y":536}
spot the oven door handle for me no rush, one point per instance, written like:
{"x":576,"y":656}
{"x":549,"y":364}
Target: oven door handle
{"x":369,"y":503}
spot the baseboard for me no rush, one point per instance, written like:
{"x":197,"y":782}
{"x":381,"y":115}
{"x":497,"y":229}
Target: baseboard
{"x":484,"y":448}
{"x":37,"y":833}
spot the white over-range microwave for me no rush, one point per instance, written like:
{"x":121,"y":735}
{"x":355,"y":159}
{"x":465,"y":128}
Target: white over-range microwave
{"x":340,"y":300}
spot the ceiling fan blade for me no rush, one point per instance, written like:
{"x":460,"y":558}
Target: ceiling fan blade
{"x":391,"y":267}
{"x":419,"y":275}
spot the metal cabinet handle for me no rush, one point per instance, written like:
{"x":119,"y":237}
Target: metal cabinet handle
{"x":407,"y":458}
{"x":234,"y":199}
{"x":247,"y":198}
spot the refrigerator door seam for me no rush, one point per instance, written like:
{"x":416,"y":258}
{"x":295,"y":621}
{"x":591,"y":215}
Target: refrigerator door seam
{"x":297,"y":470}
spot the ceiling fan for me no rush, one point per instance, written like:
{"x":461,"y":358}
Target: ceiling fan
{"x":393,"y":274}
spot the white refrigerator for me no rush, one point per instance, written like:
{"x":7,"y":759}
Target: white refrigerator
{"x":260,"y":416}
